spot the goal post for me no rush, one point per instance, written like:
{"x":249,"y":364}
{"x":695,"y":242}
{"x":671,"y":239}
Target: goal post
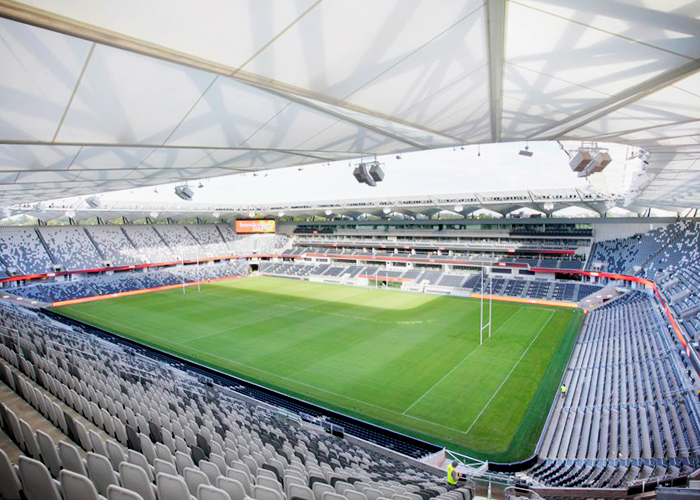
{"x":485,"y":326}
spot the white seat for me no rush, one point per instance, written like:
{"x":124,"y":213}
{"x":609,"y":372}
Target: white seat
{"x":164,"y":467}
{"x":48,"y":453}
{"x":333,"y":496}
{"x":97,"y":444}
{"x":320,"y":488}
{"x":207,"y":492}
{"x":233,"y":487}
{"x":36,"y":480}
{"x":264,"y":493}
{"x":193,"y":478}
{"x":135,"y":478}
{"x":183,"y":461}
{"x":172,"y":488}
{"x":70,"y":458}
{"x":119,"y":493}
{"x":101,"y":473}
{"x":115,"y":454}
{"x":299,"y":491}
{"x":267,"y":482}
{"x":136,"y":458}
{"x":244,"y":479}
{"x":211,"y":470}
{"x":9,"y":482}
{"x":356,"y":495}
{"x":77,"y":487}
{"x":32,"y":447}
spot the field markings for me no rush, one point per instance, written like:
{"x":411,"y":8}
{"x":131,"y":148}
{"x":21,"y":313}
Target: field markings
{"x":457,"y":365}
{"x":344,"y":396}
{"x":551,"y":315}
{"x":259,"y":320}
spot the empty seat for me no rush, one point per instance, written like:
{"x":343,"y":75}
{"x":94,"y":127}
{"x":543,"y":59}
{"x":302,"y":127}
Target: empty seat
{"x":36,"y":480}
{"x":9,"y":482}
{"x":119,"y":493}
{"x":172,"y":488}
{"x":135,"y":478}
{"x":49,"y":454}
{"x":206,"y":492}
{"x":70,"y":458}
{"x":233,"y":487}
{"x":193,"y":478}
{"x":77,"y":487}
{"x":101,"y":473}
{"x":263,"y":493}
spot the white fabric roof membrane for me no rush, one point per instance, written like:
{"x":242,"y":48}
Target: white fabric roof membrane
{"x":99,"y":96}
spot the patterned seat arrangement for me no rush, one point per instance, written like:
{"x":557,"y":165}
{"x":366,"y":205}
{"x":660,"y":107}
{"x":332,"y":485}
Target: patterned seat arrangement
{"x":170,"y":435}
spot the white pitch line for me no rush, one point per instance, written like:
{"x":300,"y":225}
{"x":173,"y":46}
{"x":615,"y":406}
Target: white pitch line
{"x":551,"y":314}
{"x":456,"y":366}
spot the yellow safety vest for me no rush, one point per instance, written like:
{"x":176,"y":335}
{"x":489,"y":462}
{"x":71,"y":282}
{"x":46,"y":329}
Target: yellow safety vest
{"x":450,"y":478}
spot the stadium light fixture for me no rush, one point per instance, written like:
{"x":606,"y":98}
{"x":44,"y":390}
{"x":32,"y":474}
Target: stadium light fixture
{"x":280,"y":213}
{"x":153,"y":215}
{"x":215,"y":215}
{"x":251,"y":214}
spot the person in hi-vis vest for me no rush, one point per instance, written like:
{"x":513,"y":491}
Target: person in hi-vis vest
{"x":452,"y":475}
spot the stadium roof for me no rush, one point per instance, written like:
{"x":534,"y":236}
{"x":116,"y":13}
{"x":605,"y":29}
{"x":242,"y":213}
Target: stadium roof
{"x":98,"y":96}
{"x":546,"y":201}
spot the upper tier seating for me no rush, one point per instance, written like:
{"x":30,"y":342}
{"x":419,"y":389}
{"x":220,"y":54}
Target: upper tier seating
{"x":149,"y":244}
{"x":211,"y":240}
{"x":21,"y":249}
{"x":180,"y":241}
{"x":71,"y":247}
{"x":114,"y":246}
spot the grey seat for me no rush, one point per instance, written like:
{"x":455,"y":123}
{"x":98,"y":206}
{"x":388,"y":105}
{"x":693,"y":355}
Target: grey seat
{"x":135,"y":479}
{"x":356,"y":495}
{"x":32,"y":447}
{"x":9,"y":482}
{"x":48,"y":453}
{"x":320,"y":488}
{"x":36,"y":480}
{"x":119,"y":493}
{"x":207,"y":492}
{"x":115,"y":454}
{"x":211,"y":470}
{"x":300,"y":492}
{"x":193,"y":478}
{"x":172,"y":487}
{"x":264,"y":493}
{"x":77,"y":487}
{"x":243,"y":478}
{"x":233,"y":487}
{"x":136,"y":458}
{"x":70,"y":458}
{"x":164,"y":467}
{"x":101,"y":473}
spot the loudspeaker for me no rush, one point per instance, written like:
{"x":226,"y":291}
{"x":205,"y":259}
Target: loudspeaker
{"x":579,"y":162}
{"x":376,"y":172}
{"x":184,"y":192}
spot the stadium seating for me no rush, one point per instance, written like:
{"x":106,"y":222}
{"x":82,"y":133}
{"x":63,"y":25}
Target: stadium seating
{"x":71,"y":247}
{"x":627,"y":414}
{"x":113,"y":245}
{"x":105,"y":285}
{"x":22,"y":250}
{"x":168,"y":435}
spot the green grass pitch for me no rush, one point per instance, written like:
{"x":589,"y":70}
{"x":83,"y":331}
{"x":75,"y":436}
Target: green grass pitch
{"x":410,"y":362}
